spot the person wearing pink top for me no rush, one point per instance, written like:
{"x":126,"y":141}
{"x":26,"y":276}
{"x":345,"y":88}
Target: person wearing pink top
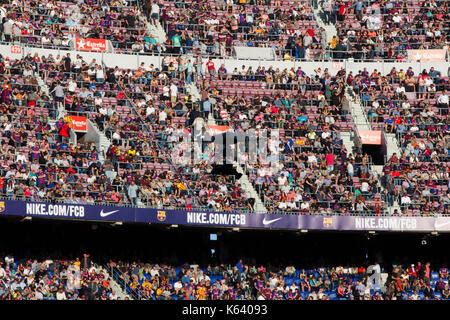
{"x":329,"y":158}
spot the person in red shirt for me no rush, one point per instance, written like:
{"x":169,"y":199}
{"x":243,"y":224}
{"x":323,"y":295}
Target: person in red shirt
{"x":329,"y":158}
{"x":394,"y":158}
{"x":70,"y":169}
{"x":211,"y":68}
{"x":65,"y":131}
{"x":342,"y":12}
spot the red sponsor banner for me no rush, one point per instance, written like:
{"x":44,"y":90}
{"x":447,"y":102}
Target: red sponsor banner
{"x":16,"y":49}
{"x":431,"y":55}
{"x":215,"y":130}
{"x":77,"y":123}
{"x":370,"y":136}
{"x":90,"y":44}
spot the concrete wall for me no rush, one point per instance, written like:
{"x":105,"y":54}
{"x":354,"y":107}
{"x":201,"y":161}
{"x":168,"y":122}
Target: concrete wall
{"x":130,"y":61}
{"x":333,"y":67}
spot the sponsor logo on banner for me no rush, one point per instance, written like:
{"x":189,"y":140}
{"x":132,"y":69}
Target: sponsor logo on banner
{"x":90,"y":44}
{"x":370,"y":137}
{"x":430,"y":55}
{"x":2,"y":206}
{"x":267,"y":222}
{"x":105,"y":214}
{"x":161,"y":216}
{"x":337,"y":65}
{"x":215,"y":130}
{"x":439,"y":225}
{"x":327,"y":222}
{"x":77,"y":123}
{"x":16,"y":49}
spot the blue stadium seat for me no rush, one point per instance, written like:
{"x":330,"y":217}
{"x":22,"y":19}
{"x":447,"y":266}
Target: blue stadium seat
{"x":434,"y":276}
{"x":438,"y":295}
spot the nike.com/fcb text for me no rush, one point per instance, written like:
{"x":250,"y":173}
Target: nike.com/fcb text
{"x":387,"y":223}
{"x":62,"y":210}
{"x":216,"y":218}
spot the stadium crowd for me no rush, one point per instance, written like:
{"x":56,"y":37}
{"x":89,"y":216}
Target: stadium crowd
{"x":57,"y":24}
{"x":52,"y":279}
{"x":316,"y":173}
{"x":386,"y":30}
{"x":143,"y":111}
{"x":81,"y":279}
{"x":252,"y":282}
{"x":415,"y":109}
{"x":366,"y":30}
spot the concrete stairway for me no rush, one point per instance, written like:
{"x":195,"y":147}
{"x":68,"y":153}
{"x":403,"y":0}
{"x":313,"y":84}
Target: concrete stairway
{"x":357,"y":111}
{"x":104,"y":142}
{"x":156,"y":30}
{"x":114,"y":285}
{"x":362,"y":123}
{"x":392,"y":145}
{"x":249,"y":189}
{"x":243,"y":180}
{"x":347,"y":140}
{"x":330,"y":29}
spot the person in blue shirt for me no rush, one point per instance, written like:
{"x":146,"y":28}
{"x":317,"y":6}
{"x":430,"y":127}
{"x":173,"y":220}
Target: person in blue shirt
{"x":302,"y":118}
{"x":240,"y":265}
{"x":389,"y":126}
{"x":176,"y":43}
{"x":289,"y":147}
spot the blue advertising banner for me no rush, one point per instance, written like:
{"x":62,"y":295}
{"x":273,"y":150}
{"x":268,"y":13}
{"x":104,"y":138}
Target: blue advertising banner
{"x":222,"y":219}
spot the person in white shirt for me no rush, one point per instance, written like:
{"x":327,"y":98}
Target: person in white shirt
{"x":2,"y":272}
{"x":154,"y":14}
{"x":150,"y":110}
{"x":38,"y":294}
{"x":350,"y":169}
{"x":282,"y":205}
{"x":397,"y":19}
{"x":442,"y":102}
{"x":405,"y":199}
{"x":154,"y":272}
{"x":21,"y":157}
{"x":113,"y":295}
{"x":72,"y":85}
{"x":178,"y":285}
{"x":61,"y":295}
{"x":173,"y":92}
{"x":400,"y":89}
{"x":99,"y":75}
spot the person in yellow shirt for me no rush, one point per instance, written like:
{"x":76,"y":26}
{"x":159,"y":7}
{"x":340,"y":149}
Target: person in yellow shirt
{"x":402,"y":75}
{"x":287,"y":57}
{"x":146,"y":285}
{"x":300,"y":142}
{"x":77,"y":263}
{"x":134,"y":285}
{"x":181,"y":186}
{"x":201,"y":292}
{"x":132,"y":151}
{"x":334,"y":42}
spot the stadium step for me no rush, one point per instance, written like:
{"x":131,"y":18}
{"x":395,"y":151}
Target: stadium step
{"x":114,"y":285}
{"x":357,"y":111}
